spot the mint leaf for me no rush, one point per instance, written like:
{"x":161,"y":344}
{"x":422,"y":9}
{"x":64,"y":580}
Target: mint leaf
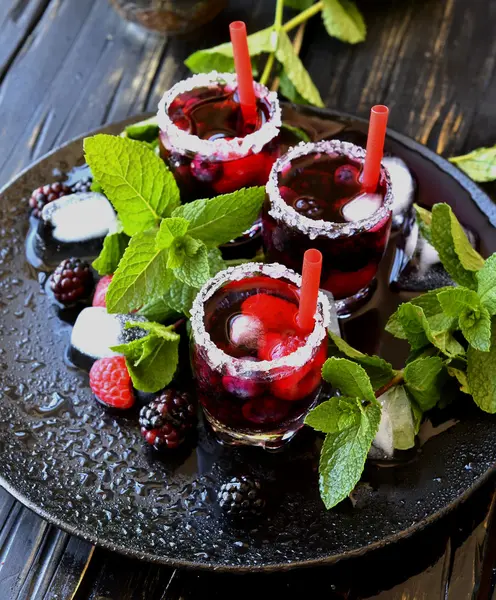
{"x":142,"y":274}
{"x":459,"y":259}
{"x":455,"y":301}
{"x":180,"y":296}
{"x":423,"y":379}
{"x":397,"y":427}
{"x":486,"y":284}
{"x":144,"y":131}
{"x":351,"y":379}
{"x":481,"y":374}
{"x":287,"y":89}
{"x":151,"y":360}
{"x":114,"y":246}
{"x":296,"y":72}
{"x":334,"y":415}
{"x":220,"y":58}
{"x":479,"y":164}
{"x":343,"y":20}
{"x":296,"y":131}
{"x":194,"y":270}
{"x":219,"y":220}
{"x":215,"y":261}
{"x":424,"y":221}
{"x":461,"y":377}
{"x":170,"y":229}
{"x":157,"y":310}
{"x":343,"y":456}
{"x":96,"y":187}
{"x":379,"y":370}
{"x":436,"y":317}
{"x":135,"y":180}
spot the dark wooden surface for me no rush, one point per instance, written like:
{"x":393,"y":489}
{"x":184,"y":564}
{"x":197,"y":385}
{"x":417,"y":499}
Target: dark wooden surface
{"x":68,"y":66}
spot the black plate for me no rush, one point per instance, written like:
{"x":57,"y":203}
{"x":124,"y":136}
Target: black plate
{"x":88,"y":473}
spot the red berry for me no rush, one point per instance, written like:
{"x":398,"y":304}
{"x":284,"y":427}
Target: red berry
{"x":276,"y":346}
{"x":346,"y":175}
{"x":101,"y":291}
{"x":111,"y":383}
{"x":294,"y":387}
{"x":275,"y":313}
{"x":242,"y":387}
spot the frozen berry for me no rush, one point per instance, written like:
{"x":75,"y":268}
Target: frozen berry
{"x":71,"y":281}
{"x":309,"y":207}
{"x":205,"y":170}
{"x":166,"y":421}
{"x":83,"y":185}
{"x":265,"y":410}
{"x":274,"y":313}
{"x":241,"y":497}
{"x":101,"y":291}
{"x":46,"y":194}
{"x":111,"y":383}
{"x":242,"y":387}
{"x":346,"y":175}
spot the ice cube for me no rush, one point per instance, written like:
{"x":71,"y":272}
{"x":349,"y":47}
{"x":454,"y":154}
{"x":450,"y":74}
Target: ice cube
{"x":74,"y":225}
{"x":246,"y":331}
{"x":404,"y":188}
{"x":362,"y":207}
{"x":95,"y":331}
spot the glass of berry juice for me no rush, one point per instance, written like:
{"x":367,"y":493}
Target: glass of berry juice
{"x":257,"y":374}
{"x":207,"y":144}
{"x":315,"y":200}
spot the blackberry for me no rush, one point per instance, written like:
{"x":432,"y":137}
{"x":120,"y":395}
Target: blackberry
{"x":82,"y":186}
{"x":46,"y":194}
{"x":166,"y":421}
{"x":71,"y":281}
{"x":241,"y":497}
{"x":308,"y":207}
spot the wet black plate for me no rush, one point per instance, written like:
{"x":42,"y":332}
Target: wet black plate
{"x":87,"y":472}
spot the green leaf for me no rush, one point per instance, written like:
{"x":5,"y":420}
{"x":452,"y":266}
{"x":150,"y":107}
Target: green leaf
{"x":343,"y":20}
{"x":334,"y":415}
{"x":298,"y":4}
{"x":215,"y":261}
{"x":151,"y":360}
{"x":144,"y":131}
{"x":461,"y":376}
{"x":437,"y":319}
{"x":481,"y":374}
{"x":343,"y":456}
{"x":219,"y":220}
{"x":351,"y":379}
{"x":179,"y":297}
{"x":287,"y":89}
{"x":424,"y":221}
{"x":142,"y":274}
{"x":296,"y":131}
{"x":479,"y":164}
{"x":136,"y":181}
{"x":220,"y":58}
{"x":157,"y":310}
{"x":296,"y":72}
{"x":96,"y":187}
{"x":195,"y":270}
{"x":459,"y":259}
{"x":379,"y":370}
{"x":473,"y":318}
{"x":397,"y":419}
{"x":170,"y":229}
{"x":114,"y":246}
{"x":423,"y":379}
{"x":486,"y":284}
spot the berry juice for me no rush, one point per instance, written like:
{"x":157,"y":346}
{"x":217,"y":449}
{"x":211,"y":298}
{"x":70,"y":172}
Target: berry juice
{"x":207,"y":144}
{"x":258,"y":374}
{"x":314,"y":200}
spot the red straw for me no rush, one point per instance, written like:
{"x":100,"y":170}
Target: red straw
{"x":375,"y":147}
{"x":312,"y":268}
{"x":242,"y":64}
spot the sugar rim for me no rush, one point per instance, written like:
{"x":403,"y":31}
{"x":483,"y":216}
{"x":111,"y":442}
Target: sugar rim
{"x":218,"y":358}
{"x":185,"y":142}
{"x":281,"y":211}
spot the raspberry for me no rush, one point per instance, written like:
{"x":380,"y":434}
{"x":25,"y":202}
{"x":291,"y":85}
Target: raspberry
{"x":111,"y":383}
{"x":241,"y":497}
{"x":274,"y":313}
{"x":309,"y":207}
{"x":71,"y":281}
{"x":101,"y":291}
{"x":166,"y":421}
{"x":46,"y":194}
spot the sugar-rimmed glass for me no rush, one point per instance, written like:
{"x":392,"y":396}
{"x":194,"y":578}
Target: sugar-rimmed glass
{"x":246,"y":398}
{"x":208,"y":167}
{"x":351,"y":250}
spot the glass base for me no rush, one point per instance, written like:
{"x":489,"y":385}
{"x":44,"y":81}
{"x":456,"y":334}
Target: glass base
{"x":268,"y":440}
{"x":347,"y":306}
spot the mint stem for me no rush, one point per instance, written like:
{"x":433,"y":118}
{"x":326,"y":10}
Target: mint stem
{"x":178,"y":323}
{"x":396,"y":380}
{"x":303,"y":16}
{"x":268,"y":68}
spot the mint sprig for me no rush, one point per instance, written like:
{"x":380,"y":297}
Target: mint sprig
{"x":479,"y":164}
{"x":114,"y":246}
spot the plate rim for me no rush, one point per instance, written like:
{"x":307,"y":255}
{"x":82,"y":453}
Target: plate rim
{"x":487,"y":208}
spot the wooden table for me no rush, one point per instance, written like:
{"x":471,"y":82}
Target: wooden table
{"x":69,"y":66}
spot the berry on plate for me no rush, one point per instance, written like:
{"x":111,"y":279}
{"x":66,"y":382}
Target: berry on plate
{"x":111,"y":383}
{"x":71,"y":281}
{"x":46,"y":194}
{"x":101,"y":291}
{"x":241,"y":497}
